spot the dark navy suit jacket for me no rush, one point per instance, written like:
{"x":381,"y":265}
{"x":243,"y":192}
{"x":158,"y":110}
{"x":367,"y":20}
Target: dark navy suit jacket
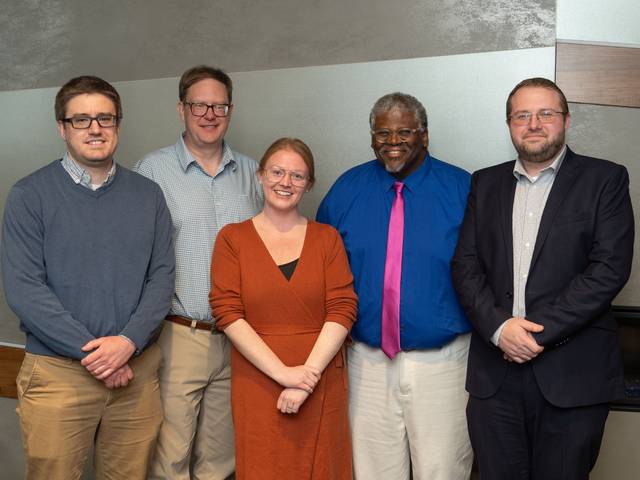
{"x":581,"y":260}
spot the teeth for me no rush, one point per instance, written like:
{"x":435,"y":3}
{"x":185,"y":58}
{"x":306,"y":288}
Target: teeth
{"x":283,"y":193}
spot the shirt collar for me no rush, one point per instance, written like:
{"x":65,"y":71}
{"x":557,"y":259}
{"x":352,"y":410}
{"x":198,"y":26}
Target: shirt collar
{"x":186,"y":158}
{"x":412,"y":181}
{"x":80,"y":176}
{"x":519,"y":170}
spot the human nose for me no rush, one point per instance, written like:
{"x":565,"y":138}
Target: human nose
{"x":94,"y":126}
{"x":534,"y":121}
{"x":394,"y":138}
{"x":207,"y":115}
{"x":286,"y":179}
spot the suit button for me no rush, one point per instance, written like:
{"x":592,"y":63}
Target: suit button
{"x":509,"y":295}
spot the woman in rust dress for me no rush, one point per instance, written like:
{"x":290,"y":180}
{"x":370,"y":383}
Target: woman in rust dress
{"x":282,"y":292}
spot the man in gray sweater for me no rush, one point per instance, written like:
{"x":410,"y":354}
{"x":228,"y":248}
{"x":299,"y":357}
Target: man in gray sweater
{"x":88,"y":267}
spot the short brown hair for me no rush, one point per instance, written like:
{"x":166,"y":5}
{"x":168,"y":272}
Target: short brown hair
{"x":541,"y":83}
{"x":295,"y":145}
{"x":85,"y":84}
{"x":202,"y":72}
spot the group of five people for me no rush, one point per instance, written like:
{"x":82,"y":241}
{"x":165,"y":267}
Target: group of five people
{"x":196,"y":324}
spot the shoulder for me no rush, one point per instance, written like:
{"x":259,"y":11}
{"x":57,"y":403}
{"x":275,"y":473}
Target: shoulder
{"x":595,"y":166}
{"x":324,"y":234}
{"x":138,"y":183}
{"x":355,"y":178}
{"x":235,"y":232}
{"x":494,"y":172}
{"x":244,"y":160}
{"x":156,"y":160}
{"x":450,"y":173}
{"x":37,"y":183}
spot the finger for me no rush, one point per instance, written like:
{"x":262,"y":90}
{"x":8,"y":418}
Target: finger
{"x":90,"y":345}
{"x":104,"y":374}
{"x":532,"y":326}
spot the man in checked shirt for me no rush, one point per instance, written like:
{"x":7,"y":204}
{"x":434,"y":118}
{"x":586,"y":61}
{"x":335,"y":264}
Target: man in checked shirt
{"x":206,"y":185}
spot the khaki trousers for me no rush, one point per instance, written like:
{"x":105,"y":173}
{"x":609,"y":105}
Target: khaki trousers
{"x":195,"y":386}
{"x":408,"y":414}
{"x":63,"y":410}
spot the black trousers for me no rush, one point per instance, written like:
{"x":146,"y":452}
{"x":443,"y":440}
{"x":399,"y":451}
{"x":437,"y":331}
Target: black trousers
{"x":518,"y":435}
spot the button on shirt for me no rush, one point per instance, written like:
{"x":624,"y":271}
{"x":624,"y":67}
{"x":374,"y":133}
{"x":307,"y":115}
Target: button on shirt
{"x":528,"y":205}
{"x":359,"y":205}
{"x":200,"y":206}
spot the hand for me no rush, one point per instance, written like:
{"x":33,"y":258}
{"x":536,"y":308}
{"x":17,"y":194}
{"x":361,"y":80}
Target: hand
{"x":291,"y":399}
{"x":303,"y":377}
{"x":109,"y":354}
{"x":119,"y":378}
{"x":516,"y":340}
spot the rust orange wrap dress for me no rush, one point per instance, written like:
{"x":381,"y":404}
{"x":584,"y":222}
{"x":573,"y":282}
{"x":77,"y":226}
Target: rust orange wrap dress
{"x":288,"y":315}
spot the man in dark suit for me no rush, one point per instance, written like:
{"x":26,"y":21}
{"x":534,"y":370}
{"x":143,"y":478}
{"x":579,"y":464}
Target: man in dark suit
{"x":545,"y":246}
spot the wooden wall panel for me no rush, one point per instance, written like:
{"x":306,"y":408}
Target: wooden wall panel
{"x":10,"y":361}
{"x":599,"y":74}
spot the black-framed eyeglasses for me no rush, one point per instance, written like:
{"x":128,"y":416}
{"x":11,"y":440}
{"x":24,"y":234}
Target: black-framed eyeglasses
{"x":277,"y":174}
{"x":83,"y":122}
{"x":200,"y":109}
{"x":403,"y":135}
{"x":544,"y":116}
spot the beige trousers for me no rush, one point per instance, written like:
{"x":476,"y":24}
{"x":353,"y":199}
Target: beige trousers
{"x":408,"y":414}
{"x":195,"y":386}
{"x":63,"y":410}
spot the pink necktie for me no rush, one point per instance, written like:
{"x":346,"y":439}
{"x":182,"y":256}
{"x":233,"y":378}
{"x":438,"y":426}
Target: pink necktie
{"x":392,"y":276}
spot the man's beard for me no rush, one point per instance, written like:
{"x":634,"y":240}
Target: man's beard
{"x":540,"y":153}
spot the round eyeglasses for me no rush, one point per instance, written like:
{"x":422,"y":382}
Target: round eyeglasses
{"x":277,"y":174}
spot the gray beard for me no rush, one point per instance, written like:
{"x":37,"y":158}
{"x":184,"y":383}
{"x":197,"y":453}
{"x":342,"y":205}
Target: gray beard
{"x":541,"y":155}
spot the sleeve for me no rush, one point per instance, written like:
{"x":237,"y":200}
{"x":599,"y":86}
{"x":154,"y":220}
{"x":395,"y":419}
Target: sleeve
{"x":341,"y":302}
{"x":591,"y":292}
{"x":144,"y":324}
{"x":469,"y":278}
{"x":225,"y":296}
{"x":25,"y":278}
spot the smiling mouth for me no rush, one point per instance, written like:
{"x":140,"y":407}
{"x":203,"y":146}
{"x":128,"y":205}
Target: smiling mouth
{"x":96,"y":141}
{"x":283,"y":193}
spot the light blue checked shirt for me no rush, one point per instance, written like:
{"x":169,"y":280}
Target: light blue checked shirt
{"x":200,"y":206}
{"x":80,"y":176}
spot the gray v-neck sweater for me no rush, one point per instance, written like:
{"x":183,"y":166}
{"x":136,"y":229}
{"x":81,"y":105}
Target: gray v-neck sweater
{"x":79,"y":264}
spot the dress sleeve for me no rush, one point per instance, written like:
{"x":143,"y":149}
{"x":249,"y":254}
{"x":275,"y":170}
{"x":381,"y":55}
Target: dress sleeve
{"x":225,"y":295}
{"x":341,"y":302}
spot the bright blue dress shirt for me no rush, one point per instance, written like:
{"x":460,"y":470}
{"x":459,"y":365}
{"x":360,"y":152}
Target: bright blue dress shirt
{"x":359,"y":205}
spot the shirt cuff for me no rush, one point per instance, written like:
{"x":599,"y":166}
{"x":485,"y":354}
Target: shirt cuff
{"x":136,"y":351}
{"x":495,"y":338}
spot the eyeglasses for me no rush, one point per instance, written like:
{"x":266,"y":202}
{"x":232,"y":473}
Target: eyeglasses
{"x":200,"y":109}
{"x":543,"y":116}
{"x":83,"y":122}
{"x":277,"y":174}
{"x":403,"y":135}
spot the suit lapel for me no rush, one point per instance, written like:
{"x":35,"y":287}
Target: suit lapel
{"x":505,"y":207}
{"x":562,"y":184}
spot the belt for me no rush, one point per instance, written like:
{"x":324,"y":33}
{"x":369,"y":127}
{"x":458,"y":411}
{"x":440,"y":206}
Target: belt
{"x":188,"y":322}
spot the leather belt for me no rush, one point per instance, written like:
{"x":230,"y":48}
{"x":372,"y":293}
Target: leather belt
{"x":198,"y":325}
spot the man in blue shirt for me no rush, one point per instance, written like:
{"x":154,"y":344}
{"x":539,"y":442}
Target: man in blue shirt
{"x":399,"y":218}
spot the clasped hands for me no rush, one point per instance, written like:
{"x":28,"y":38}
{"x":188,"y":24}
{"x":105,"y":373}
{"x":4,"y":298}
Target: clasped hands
{"x":299,"y":383}
{"x":516,"y":340}
{"x":108,"y":360}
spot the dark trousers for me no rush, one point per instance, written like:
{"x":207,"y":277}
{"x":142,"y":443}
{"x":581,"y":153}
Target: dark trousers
{"x":518,"y":435}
